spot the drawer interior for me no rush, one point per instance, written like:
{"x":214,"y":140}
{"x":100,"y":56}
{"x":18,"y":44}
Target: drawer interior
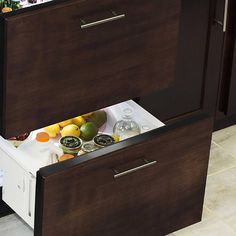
{"x":30,"y":195}
{"x":143,"y":118}
{"x":19,"y":168}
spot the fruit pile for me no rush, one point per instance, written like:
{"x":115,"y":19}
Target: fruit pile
{"x":85,"y":127}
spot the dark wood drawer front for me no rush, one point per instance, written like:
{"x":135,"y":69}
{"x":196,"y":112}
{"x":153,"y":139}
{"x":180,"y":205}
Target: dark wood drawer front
{"x":155,"y":199}
{"x":231,"y":108}
{"x":56,"y":70}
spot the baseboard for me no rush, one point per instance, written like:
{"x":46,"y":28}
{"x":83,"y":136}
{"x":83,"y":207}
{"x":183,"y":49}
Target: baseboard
{"x":224,"y":122}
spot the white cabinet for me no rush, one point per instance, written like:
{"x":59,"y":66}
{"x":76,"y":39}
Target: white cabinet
{"x":18,"y":183}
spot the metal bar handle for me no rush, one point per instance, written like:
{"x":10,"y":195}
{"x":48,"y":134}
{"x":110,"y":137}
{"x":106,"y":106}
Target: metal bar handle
{"x":115,"y":17}
{"x":225,"y":15}
{"x":147,"y":164}
{"x":223,"y":23}
{"x":30,"y":200}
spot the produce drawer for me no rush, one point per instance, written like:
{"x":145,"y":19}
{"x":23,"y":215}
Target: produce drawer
{"x":158,"y":176}
{"x":75,"y":56}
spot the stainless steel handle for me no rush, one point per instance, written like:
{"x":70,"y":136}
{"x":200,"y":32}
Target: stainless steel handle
{"x":225,"y":15}
{"x":30,"y":200}
{"x":115,"y":17}
{"x":224,"y":23}
{"x":147,"y":164}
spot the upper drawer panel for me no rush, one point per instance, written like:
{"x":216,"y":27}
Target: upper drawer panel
{"x":57,"y":67}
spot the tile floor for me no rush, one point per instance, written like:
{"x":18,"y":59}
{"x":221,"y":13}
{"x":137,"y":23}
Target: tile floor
{"x":219,"y":216}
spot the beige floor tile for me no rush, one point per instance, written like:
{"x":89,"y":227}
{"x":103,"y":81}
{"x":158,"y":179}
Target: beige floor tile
{"x":231,"y":221}
{"x":212,"y":227}
{"x":224,"y":134}
{"x":220,"y":196}
{"x":226,"y":138}
{"x":12,"y":225}
{"x":219,"y":160}
{"x":229,"y":145}
{"x":207,"y":214}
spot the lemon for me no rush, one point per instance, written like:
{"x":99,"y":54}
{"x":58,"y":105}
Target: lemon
{"x":79,"y":120}
{"x":88,"y":131}
{"x":70,"y":130}
{"x":65,"y":123}
{"x":52,"y":130}
{"x":116,"y":138}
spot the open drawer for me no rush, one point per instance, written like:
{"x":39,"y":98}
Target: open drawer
{"x":76,"y":56}
{"x":150,"y":184}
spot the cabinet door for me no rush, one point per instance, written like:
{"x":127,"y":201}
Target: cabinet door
{"x":78,"y":56}
{"x":137,"y":187}
{"x":232,"y":87}
{"x":221,"y":63}
{"x":186,"y":93}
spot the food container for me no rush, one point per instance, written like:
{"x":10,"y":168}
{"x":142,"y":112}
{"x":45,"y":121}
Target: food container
{"x":103,"y":140}
{"x":89,"y":147}
{"x":70,"y":145}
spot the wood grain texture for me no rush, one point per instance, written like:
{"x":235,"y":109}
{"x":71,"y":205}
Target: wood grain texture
{"x":55,"y":70}
{"x":227,"y":58}
{"x":231,"y":109}
{"x":220,"y":78}
{"x":188,"y":89}
{"x":86,"y":200}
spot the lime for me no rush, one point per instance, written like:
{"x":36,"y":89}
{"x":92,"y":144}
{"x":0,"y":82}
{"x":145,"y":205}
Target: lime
{"x":88,"y":131}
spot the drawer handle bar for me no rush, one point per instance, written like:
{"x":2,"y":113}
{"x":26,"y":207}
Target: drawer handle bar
{"x":224,"y":23}
{"x":29,"y":202}
{"x":115,"y":17}
{"x":147,"y":164}
{"x":225,"y":15}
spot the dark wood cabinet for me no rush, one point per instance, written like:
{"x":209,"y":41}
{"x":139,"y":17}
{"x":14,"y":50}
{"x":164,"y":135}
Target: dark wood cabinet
{"x":220,"y":97}
{"x":186,"y":93}
{"x":231,"y":109}
{"x":84,"y":55}
{"x":67,"y":65}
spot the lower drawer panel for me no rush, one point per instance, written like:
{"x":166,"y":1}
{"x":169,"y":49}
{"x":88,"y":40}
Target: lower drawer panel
{"x":83,"y":197}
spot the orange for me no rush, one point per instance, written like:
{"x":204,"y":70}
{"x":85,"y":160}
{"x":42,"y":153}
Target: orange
{"x":42,"y":137}
{"x":65,"y":157}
